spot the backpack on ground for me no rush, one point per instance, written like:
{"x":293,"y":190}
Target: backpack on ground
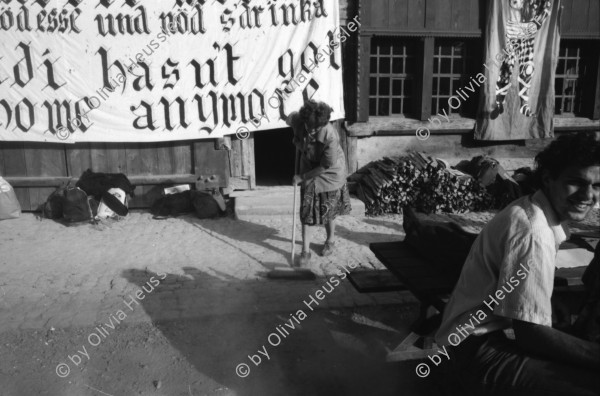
{"x":208,"y":205}
{"x":53,"y":207}
{"x":76,"y":206}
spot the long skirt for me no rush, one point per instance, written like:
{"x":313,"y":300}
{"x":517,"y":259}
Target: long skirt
{"x":323,"y":207}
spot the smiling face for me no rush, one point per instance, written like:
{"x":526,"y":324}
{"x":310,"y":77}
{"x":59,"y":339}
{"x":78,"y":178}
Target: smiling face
{"x":574,"y":192}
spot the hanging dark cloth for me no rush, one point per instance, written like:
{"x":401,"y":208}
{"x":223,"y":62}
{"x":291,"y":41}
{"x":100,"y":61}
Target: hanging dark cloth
{"x":522,"y":43}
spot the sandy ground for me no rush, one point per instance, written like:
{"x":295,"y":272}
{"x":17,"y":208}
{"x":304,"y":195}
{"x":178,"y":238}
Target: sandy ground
{"x":203,"y":307}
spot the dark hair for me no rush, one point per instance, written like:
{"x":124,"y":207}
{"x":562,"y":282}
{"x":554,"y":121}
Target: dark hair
{"x":315,"y":113}
{"x":580,"y":149}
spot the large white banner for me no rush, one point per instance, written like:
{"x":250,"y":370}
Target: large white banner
{"x":158,"y":70}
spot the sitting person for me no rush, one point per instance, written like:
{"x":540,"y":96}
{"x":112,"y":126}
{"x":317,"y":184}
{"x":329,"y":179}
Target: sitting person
{"x":507,"y":282}
{"x":324,"y":193}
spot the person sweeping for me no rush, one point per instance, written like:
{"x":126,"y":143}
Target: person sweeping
{"x":322,"y":174}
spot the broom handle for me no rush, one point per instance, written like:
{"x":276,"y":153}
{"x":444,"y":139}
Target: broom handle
{"x":296,"y":166}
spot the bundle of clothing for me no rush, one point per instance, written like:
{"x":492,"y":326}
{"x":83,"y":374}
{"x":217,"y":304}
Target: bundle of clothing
{"x":95,"y":196}
{"x":177,"y":201}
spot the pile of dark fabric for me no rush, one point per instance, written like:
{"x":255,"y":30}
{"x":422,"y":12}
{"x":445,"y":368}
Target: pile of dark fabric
{"x":106,"y":193}
{"x":431,"y":186}
{"x":206,"y":204}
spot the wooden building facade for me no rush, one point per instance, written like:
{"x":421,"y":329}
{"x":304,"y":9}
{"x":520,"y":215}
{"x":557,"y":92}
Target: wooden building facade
{"x":403,"y":63}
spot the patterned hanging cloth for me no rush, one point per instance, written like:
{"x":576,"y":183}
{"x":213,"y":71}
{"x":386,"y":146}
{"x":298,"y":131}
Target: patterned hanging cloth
{"x":521,"y":53}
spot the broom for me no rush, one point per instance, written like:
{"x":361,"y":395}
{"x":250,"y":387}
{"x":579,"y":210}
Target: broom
{"x":293,"y":272}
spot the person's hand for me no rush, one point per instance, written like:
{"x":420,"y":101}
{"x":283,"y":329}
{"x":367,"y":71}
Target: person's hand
{"x":296,"y":180}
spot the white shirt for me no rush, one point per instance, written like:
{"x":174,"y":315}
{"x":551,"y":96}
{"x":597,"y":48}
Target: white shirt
{"x":508,"y":274}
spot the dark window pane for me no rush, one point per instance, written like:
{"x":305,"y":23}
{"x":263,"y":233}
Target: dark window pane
{"x":434,"y":108}
{"x":445,"y":65}
{"x":558,"y":86}
{"x":409,"y":66}
{"x":445,"y":86}
{"x":373,"y":86}
{"x":390,"y":76}
{"x":396,"y":106}
{"x":446,"y":50}
{"x":384,"y":107}
{"x":397,"y":65}
{"x":570,"y":90}
{"x":571,"y":67}
{"x":384,"y":65}
{"x":436,"y":64}
{"x":434,"y":88}
{"x":384,"y":86}
{"x":406,"y":107}
{"x":557,"y":106}
{"x":455,"y":85}
{"x":397,"y":87}
{"x":373,"y":107}
{"x":373,"y":65}
{"x":573,"y":73}
{"x":458,"y":66}
{"x":568,"y":107}
{"x":408,"y":88}
{"x":459,"y":49}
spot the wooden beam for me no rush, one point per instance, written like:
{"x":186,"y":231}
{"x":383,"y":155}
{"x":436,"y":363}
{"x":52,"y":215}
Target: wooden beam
{"x":364,"y":59}
{"x":596,"y":111}
{"x":57,"y":181}
{"x":423,"y":102}
{"x":398,"y":126}
{"x":421,"y":32}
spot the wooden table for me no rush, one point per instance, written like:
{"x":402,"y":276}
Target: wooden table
{"x":432,"y":289}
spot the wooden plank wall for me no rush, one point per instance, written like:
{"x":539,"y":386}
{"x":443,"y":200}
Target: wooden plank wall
{"x":241,"y":164}
{"x":580,"y":19}
{"x":426,"y":16}
{"x":35,"y":168}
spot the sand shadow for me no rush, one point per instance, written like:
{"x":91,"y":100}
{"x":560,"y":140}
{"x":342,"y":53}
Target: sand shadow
{"x":321,"y":354}
{"x":246,"y":231}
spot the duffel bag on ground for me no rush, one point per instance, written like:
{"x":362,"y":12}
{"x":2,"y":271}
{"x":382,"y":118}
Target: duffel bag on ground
{"x":172,"y":205}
